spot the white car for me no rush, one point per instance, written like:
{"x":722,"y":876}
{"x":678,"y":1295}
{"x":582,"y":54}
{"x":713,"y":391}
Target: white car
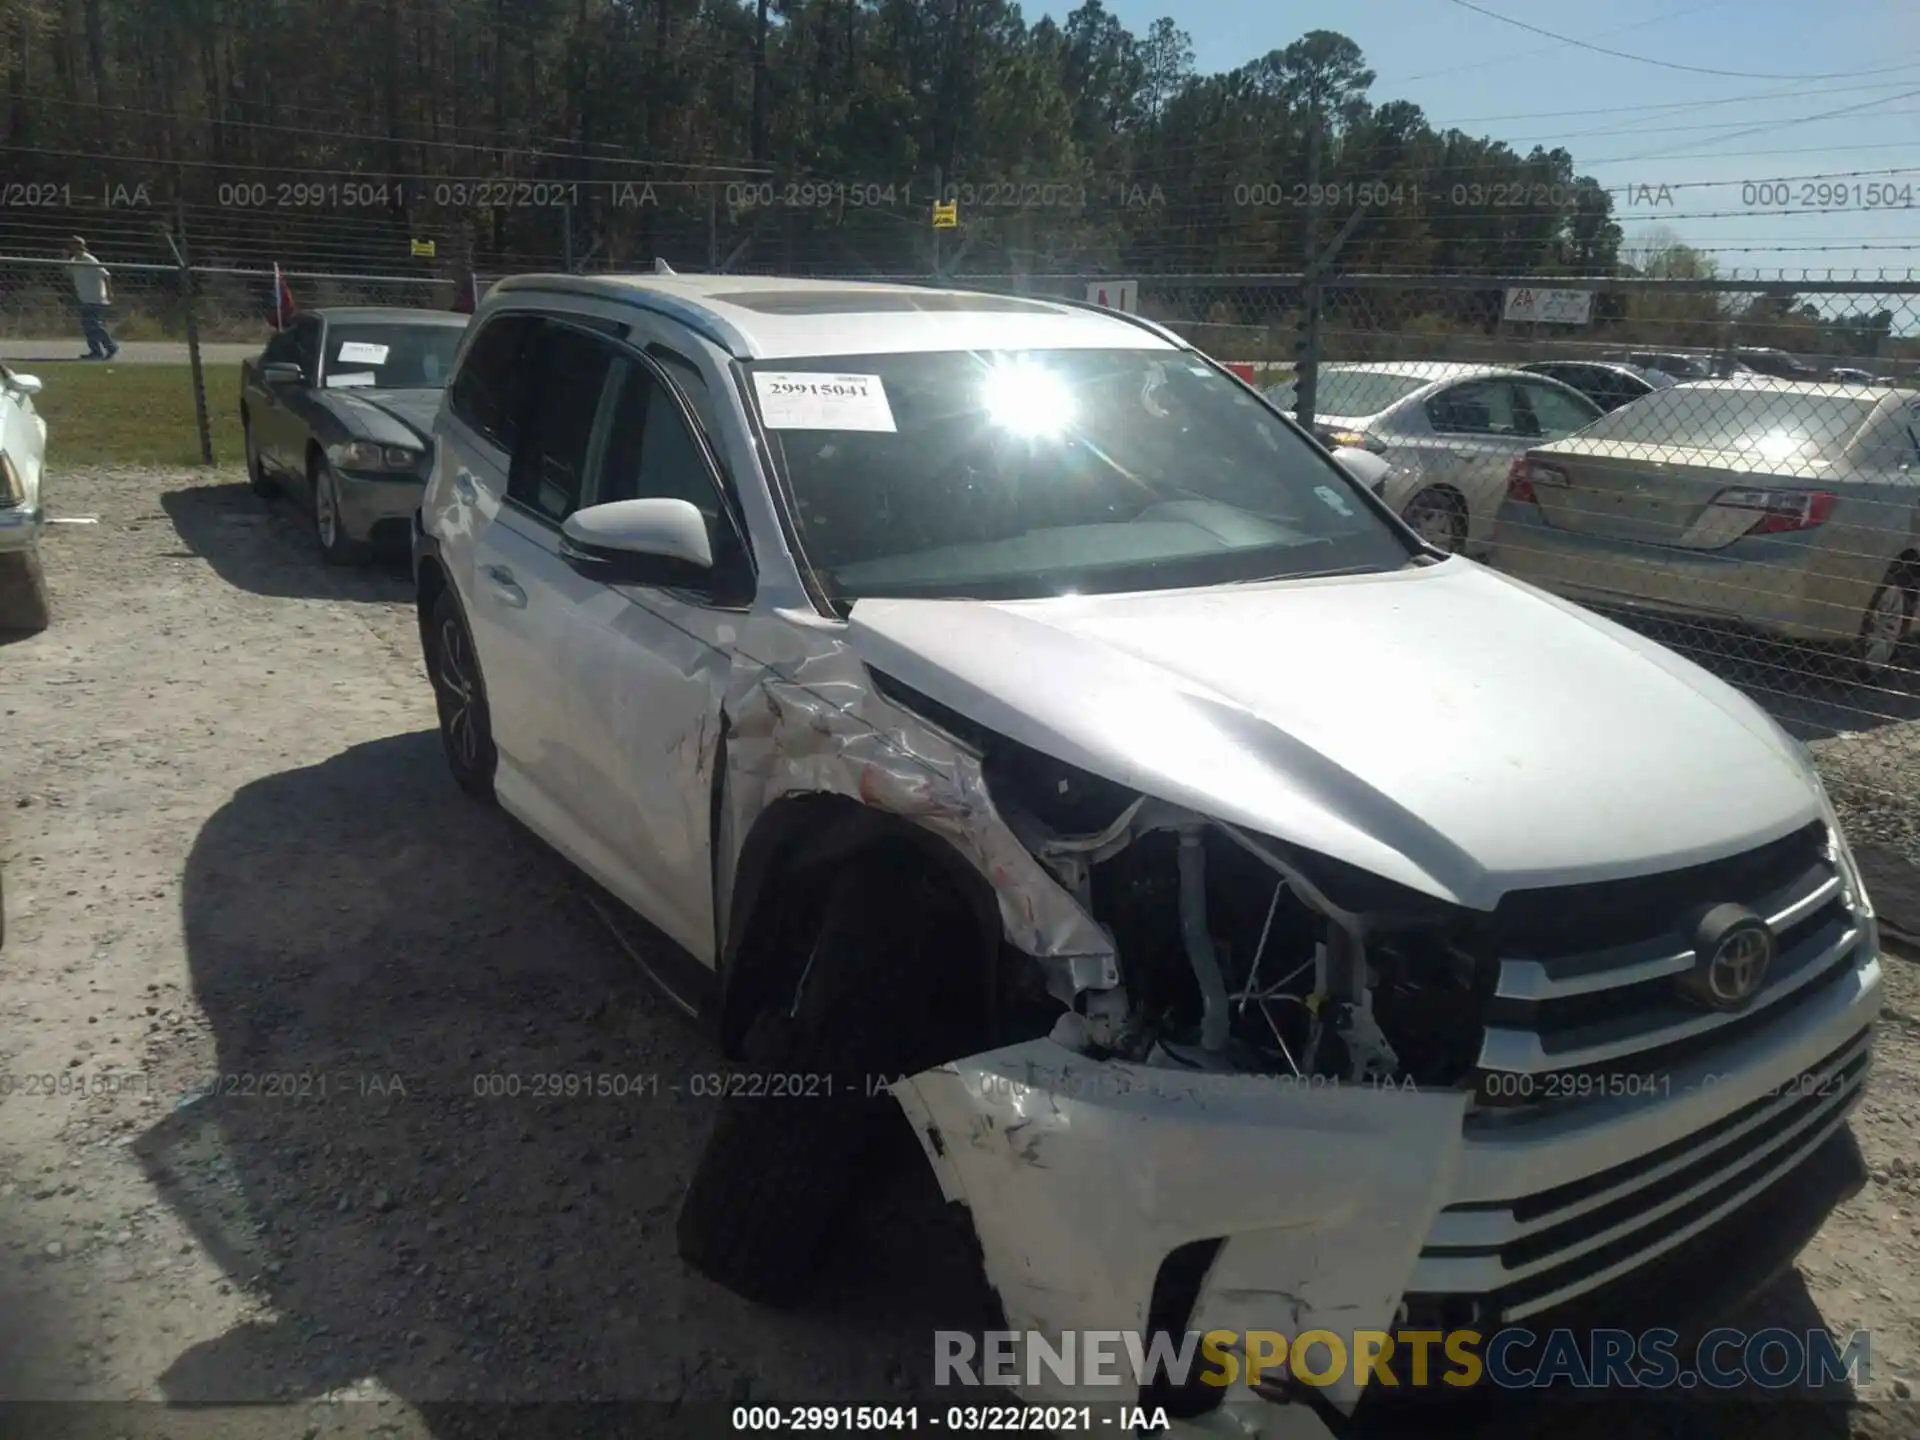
{"x":989,"y":710}
{"x":1450,"y":433}
{"x":23,"y":443}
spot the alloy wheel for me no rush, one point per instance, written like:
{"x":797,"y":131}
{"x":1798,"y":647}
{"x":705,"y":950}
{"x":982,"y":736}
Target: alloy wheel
{"x":457,"y":691}
{"x":1884,"y":627}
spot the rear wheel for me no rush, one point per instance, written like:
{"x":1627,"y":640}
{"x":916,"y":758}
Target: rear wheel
{"x":466,"y":728}
{"x":1886,"y":624}
{"x":25,"y":607}
{"x":1439,"y":518}
{"x":782,"y":1170}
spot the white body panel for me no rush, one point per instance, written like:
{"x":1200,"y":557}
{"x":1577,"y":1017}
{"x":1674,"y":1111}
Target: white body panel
{"x":1443,"y":727}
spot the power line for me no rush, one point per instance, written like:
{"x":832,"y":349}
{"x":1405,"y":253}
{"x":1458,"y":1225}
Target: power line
{"x":1666,"y":64}
{"x":1545,"y":49}
{"x":1787,"y":94}
{"x":1762,"y":129}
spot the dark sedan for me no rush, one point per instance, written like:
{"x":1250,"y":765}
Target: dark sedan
{"x":1607,"y":383}
{"x":338,"y":410}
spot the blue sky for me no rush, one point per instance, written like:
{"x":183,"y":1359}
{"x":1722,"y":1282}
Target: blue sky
{"x":1633,"y":125}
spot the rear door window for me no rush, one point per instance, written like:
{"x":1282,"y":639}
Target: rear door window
{"x":1555,"y":413}
{"x":1478,"y":407}
{"x":550,"y":460}
{"x":490,"y":392}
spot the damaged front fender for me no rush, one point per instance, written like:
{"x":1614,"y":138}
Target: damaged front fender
{"x":805,"y":719}
{"x":1082,"y":1176}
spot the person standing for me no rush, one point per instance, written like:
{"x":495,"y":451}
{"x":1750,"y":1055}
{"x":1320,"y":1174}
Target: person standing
{"x":93,"y":288}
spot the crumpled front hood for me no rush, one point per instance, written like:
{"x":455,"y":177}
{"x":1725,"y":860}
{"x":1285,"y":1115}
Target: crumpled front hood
{"x":388,"y":417}
{"x":1445,"y":727}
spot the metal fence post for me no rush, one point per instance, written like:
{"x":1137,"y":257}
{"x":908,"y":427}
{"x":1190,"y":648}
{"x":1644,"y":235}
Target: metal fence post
{"x":188,"y":303}
{"x":1306,"y":365}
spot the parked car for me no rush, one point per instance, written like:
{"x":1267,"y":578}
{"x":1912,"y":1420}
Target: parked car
{"x":1777,"y":363}
{"x":1449,"y":431}
{"x":1848,"y":375}
{"x":997,"y":714}
{"x":1678,"y":364}
{"x":1784,"y":505}
{"x":24,"y":605}
{"x":1608,"y":384}
{"x":339,"y":409}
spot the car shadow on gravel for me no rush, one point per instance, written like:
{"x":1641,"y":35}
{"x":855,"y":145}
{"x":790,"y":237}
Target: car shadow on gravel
{"x":442,"y":1140}
{"x":267,"y":547}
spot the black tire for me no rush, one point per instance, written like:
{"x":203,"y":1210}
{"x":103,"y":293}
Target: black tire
{"x":460,"y":696}
{"x":25,"y":606}
{"x":1886,"y":625}
{"x":779,"y":1175}
{"x":263,"y":484}
{"x":1440,"y":518}
{"x":329,"y":530}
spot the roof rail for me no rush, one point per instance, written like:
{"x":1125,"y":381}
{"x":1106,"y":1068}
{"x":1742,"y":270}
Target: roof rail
{"x":1142,"y":323}
{"x":1151,"y":326}
{"x":701,"y":322}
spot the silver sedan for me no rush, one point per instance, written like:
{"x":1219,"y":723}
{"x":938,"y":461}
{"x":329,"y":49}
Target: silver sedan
{"x":1788,"y":506}
{"x":1450,"y":433}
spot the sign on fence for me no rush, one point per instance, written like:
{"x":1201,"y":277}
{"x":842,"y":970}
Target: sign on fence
{"x":1115,"y":294}
{"x":947,"y":216}
{"x":1554,"y":307}
{"x":424,"y":249}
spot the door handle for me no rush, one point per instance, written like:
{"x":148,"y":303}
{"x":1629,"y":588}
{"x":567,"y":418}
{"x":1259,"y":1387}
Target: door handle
{"x":464,"y":487}
{"x":504,"y":587}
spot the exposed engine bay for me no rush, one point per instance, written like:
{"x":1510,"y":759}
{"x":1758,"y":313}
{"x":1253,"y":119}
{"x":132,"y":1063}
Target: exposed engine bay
{"x":1237,"y":955}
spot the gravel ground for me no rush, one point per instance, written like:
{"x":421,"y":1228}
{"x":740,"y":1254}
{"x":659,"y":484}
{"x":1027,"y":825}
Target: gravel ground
{"x":237,"y":873}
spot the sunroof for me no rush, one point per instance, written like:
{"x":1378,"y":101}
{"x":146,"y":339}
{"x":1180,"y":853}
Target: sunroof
{"x":872,"y":302}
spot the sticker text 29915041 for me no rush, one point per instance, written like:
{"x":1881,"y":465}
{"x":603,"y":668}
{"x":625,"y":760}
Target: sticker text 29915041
{"x":800,"y":400}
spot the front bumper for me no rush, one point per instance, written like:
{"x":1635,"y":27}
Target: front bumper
{"x":1332,"y":1206}
{"x":375,"y":499}
{"x":1763,"y":583}
{"x":20,"y":527}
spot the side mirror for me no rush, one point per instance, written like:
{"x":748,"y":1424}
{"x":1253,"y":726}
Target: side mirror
{"x":282,"y":372}
{"x":27,"y":384}
{"x":1363,"y":465}
{"x":655,"y":542}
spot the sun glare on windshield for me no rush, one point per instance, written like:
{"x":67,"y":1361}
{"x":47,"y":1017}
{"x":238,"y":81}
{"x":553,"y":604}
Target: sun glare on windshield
{"x":1027,"y":399}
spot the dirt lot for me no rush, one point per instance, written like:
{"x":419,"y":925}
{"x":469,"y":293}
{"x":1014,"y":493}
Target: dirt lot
{"x":263,"y":955}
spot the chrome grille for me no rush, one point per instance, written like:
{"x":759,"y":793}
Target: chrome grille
{"x":1518,"y":1257}
{"x":1564,"y":1008}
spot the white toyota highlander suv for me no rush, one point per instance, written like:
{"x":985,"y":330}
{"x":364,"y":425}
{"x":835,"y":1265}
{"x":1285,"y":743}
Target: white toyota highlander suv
{"x":991,"y":710}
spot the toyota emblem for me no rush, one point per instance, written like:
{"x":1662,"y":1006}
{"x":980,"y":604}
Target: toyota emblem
{"x":1735,"y":949}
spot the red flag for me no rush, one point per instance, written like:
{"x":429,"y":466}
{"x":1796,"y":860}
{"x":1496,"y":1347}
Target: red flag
{"x":283,"y":307}
{"x":468,"y":294}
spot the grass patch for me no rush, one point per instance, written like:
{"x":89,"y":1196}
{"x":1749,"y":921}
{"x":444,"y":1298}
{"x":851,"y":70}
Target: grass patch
{"x":104,"y":414}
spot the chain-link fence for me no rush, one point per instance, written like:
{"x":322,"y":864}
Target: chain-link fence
{"x":1729,"y":466}
{"x":231,"y":304}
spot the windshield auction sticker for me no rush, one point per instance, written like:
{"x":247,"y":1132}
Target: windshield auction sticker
{"x":359,"y":352}
{"x":800,"y":400}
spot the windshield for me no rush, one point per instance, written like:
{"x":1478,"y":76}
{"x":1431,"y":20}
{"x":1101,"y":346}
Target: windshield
{"x":1772,"y":425}
{"x":1018,"y":475}
{"x":391,"y":356}
{"x":1351,"y":393}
